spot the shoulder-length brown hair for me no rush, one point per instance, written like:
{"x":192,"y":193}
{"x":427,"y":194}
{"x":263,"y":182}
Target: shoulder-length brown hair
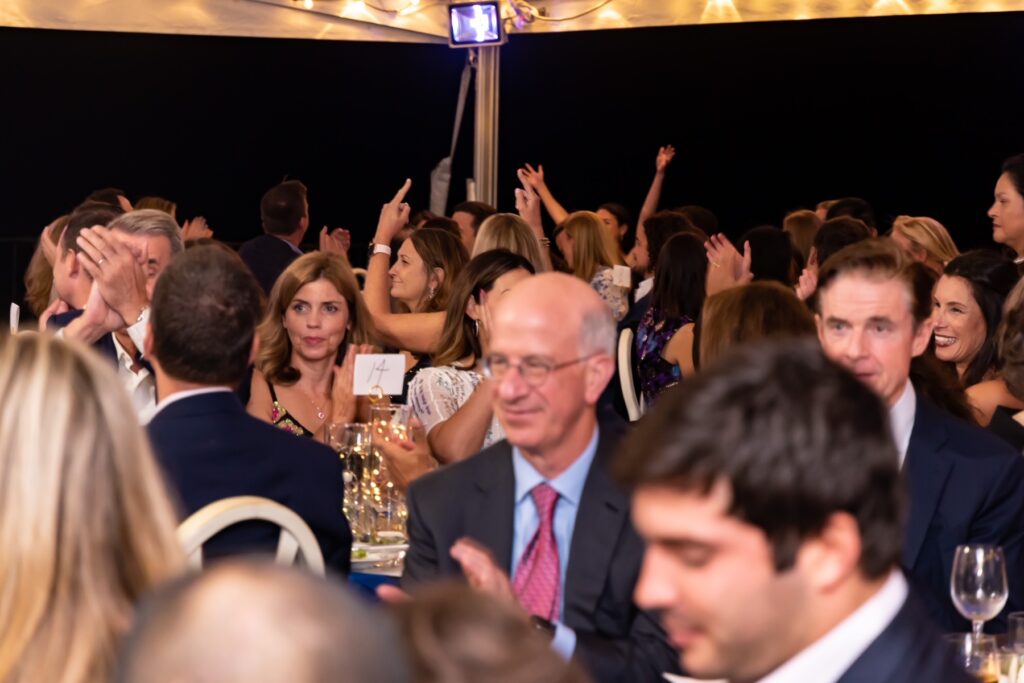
{"x":593,"y":247}
{"x":443,"y":250}
{"x":275,"y":355}
{"x":459,"y":338}
{"x":86,"y":525}
{"x":749,"y":313}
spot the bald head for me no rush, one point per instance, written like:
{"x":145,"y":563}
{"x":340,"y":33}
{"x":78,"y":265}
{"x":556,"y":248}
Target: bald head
{"x":256,"y":622}
{"x":563,"y":305}
{"x":551,"y":353}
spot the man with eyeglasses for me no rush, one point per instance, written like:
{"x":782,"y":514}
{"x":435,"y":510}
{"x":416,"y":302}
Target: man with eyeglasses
{"x":536,"y":519}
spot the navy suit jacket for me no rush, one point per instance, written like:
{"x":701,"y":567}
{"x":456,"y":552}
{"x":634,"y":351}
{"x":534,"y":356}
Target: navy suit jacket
{"x":267,"y":257}
{"x":210,"y":448}
{"x":615,"y":640}
{"x":966,"y":486}
{"x":104,"y":345}
{"x":909,"y":650}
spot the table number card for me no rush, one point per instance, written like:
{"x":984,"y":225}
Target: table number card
{"x":383,"y":370}
{"x":15,"y":318}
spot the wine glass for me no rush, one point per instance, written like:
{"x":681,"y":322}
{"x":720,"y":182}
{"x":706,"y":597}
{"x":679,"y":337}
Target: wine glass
{"x":352,"y":442}
{"x":978,"y":584}
{"x":975,"y":654}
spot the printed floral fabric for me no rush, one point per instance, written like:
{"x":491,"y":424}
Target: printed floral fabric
{"x":436,"y":394}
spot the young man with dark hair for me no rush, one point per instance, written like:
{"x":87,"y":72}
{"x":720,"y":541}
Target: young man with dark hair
{"x":836,"y":233}
{"x":768,"y":492}
{"x":201,"y":339}
{"x":966,"y":486}
{"x":284,"y":213}
{"x":469,"y":216}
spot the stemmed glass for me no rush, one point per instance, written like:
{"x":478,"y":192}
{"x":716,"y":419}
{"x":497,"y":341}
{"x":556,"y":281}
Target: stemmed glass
{"x":978,"y":584}
{"x":352,"y":441}
{"x":388,"y":423}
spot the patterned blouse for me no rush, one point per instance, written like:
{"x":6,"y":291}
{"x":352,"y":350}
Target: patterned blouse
{"x":616,"y":296}
{"x":283,"y":419}
{"x":436,"y":394}
{"x":652,"y":336}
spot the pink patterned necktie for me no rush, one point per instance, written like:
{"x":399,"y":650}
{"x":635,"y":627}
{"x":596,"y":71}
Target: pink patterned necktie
{"x":537,"y":576}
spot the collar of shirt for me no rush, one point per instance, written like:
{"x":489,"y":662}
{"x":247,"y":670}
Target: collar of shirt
{"x":180,"y":396}
{"x":901,"y":420}
{"x":290,"y":245}
{"x":569,"y":483}
{"x":643,"y":289}
{"x":830,"y":656}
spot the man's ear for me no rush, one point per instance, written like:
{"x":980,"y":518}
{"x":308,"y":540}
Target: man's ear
{"x":830,"y":557}
{"x":922,"y":335}
{"x":598,"y":372}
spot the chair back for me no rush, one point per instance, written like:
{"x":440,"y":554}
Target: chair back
{"x":629,"y":395}
{"x":296,"y":539}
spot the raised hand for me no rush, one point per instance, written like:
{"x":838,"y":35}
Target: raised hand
{"x":534,"y":177}
{"x":726,"y":266}
{"x":482,"y":572}
{"x":97,"y":319}
{"x":808,"y":282}
{"x":665,"y":156}
{"x":47,"y":245}
{"x":195,"y":229}
{"x":116,"y":270}
{"x":528,"y":204}
{"x":393,"y":216}
{"x":343,"y":400}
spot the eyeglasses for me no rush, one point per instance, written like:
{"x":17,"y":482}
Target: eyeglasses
{"x":534,"y":371}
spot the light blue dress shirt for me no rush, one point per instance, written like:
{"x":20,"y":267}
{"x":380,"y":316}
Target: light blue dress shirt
{"x":569,"y":485}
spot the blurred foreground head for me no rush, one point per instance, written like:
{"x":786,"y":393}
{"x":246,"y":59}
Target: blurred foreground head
{"x":251,"y":622}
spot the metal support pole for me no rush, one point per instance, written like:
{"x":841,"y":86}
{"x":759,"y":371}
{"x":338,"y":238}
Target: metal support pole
{"x":485,"y":138}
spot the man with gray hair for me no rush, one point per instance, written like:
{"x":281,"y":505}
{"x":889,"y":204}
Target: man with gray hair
{"x":536,"y":519}
{"x":246,"y":622}
{"x":125,"y":260}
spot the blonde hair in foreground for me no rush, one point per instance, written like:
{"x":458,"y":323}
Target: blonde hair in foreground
{"x":86,"y":526}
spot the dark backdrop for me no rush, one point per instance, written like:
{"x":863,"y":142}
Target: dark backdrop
{"x":913,"y":113}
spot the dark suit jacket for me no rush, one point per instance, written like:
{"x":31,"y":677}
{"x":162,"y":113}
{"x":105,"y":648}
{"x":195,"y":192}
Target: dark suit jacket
{"x":210,"y":448}
{"x":909,"y":650}
{"x":615,"y":641}
{"x":104,"y":345}
{"x":966,"y":486}
{"x":267,"y":257}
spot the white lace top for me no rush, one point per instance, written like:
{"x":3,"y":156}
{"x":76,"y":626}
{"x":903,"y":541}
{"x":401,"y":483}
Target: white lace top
{"x":436,"y":394}
{"x":615,"y":296}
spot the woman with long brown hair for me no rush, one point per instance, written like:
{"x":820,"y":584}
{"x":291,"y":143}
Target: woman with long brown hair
{"x":86,"y":525}
{"x":451,"y":398}
{"x":315,"y":324}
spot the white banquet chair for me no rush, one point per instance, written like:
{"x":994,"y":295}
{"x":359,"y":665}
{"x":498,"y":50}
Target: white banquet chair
{"x":634,"y":404}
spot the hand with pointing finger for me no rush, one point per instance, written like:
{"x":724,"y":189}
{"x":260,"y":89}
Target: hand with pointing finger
{"x":393,"y":216}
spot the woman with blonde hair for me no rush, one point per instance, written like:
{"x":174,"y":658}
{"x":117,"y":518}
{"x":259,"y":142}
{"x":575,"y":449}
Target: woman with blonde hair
{"x":86,"y":525}
{"x":592,"y":255}
{"x":924,"y":239}
{"x":315,"y":324}
{"x":509,"y":231}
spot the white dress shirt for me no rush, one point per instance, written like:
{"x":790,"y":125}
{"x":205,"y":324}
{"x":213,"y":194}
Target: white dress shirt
{"x":831,"y":655}
{"x":141,"y":385}
{"x":643,"y":289}
{"x":901,"y":420}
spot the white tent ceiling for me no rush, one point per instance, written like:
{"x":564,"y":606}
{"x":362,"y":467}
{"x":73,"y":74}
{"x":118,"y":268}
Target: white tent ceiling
{"x":424,"y":21}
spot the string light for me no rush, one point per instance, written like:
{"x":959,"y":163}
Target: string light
{"x":523,"y":12}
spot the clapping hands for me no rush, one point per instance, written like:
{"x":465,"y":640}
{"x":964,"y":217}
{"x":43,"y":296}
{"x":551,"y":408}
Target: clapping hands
{"x":726,"y":267}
